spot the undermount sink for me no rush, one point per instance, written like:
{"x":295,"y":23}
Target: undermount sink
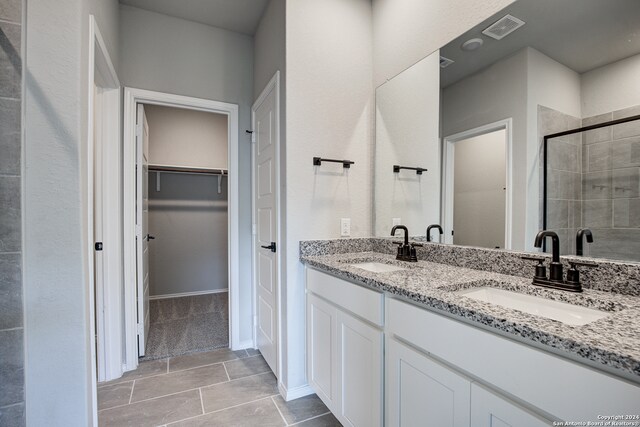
{"x":377,"y":267}
{"x":566,"y":313}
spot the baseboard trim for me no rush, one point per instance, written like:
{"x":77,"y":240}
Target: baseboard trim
{"x":188,"y":294}
{"x":243,"y":345}
{"x":294,"y":393}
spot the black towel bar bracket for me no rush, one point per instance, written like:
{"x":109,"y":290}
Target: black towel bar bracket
{"x":397,"y":168}
{"x":317,"y":161}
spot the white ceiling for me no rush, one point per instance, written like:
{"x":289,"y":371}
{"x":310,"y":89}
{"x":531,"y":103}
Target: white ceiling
{"x":241,"y":16}
{"x":580,"y":34}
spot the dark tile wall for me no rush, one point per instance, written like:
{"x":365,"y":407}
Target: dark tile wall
{"x":611,"y":186}
{"x":564,"y":176}
{"x":12,"y":406}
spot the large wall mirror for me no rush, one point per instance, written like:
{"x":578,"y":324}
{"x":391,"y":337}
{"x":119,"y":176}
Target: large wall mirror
{"x":460,"y":135}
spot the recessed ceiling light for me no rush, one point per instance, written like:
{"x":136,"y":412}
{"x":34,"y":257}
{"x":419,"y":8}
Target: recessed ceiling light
{"x":471,"y":45}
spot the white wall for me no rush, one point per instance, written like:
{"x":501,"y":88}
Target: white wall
{"x":176,"y":56}
{"x":407,"y":124}
{"x":56,"y":298}
{"x":405,"y":31}
{"x":494,"y":94}
{"x":187,"y":137}
{"x":611,"y":87}
{"x":478,"y":196}
{"x":329,"y":114}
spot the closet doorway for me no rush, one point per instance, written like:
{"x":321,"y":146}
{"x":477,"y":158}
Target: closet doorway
{"x":181,"y":217}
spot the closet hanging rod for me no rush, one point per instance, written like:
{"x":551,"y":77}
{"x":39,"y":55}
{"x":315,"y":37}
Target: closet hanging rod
{"x":187,"y":169}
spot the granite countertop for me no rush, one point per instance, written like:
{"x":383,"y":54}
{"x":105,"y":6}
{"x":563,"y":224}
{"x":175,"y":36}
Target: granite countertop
{"x":612,"y":343}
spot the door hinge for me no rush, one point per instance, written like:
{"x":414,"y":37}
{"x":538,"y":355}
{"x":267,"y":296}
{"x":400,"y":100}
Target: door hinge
{"x":140,"y":328}
{"x":138,"y":230}
{"x":138,"y":131}
{"x":254,"y":229}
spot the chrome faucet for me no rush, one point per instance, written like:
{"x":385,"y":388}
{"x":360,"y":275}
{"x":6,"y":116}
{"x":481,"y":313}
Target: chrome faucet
{"x":437,"y":226}
{"x":406,"y":250}
{"x":579,"y":239}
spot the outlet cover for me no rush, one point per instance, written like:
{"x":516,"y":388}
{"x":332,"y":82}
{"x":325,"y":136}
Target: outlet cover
{"x":345,"y":227}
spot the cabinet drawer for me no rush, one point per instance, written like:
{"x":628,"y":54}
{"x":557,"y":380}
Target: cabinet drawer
{"x":358,"y":300}
{"x":560,"y":387}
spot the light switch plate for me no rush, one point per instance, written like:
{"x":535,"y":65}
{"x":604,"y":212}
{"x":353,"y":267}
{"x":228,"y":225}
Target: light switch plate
{"x":345,"y":227}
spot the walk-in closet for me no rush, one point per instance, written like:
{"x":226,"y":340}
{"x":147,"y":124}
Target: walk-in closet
{"x":187,"y":231}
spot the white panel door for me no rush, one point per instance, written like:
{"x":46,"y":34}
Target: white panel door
{"x":142,"y":224}
{"x":322,"y":354}
{"x":422,"y":392}
{"x":265,"y":214}
{"x":360,"y":372}
{"x":491,"y":410}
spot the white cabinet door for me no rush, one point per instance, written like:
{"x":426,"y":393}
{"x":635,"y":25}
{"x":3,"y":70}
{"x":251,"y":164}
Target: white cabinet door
{"x":360,"y":372}
{"x":422,"y":392}
{"x":491,"y":410}
{"x":322,"y":352}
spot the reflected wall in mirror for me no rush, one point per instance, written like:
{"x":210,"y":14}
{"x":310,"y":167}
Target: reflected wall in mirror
{"x":407,"y":115}
{"x":571,"y":64}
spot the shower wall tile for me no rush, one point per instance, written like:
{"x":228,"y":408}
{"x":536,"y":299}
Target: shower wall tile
{"x":9,"y":136}
{"x":626,"y":213}
{"x":618,"y":244}
{"x":625,"y":152}
{"x":12,"y":367}
{"x":564,"y":156}
{"x":10,"y":291}
{"x":598,"y":213}
{"x":575,"y":213}
{"x":558,"y":214}
{"x":626,"y":183}
{"x":12,"y":404}
{"x":599,"y":156}
{"x":10,"y":66}
{"x":626,"y":130}
{"x":596,"y":185}
{"x":597,"y":135}
{"x":11,"y":10}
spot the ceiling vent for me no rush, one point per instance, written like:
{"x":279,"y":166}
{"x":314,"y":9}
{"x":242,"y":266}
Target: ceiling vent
{"x":445,"y":62}
{"x":503,"y":27}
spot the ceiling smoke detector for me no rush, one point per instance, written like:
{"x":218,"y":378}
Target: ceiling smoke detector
{"x":503,"y":27}
{"x":445,"y":62}
{"x":471,"y":45}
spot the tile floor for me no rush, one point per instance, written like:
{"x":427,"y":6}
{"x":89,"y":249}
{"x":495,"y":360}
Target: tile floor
{"x":215,"y":388}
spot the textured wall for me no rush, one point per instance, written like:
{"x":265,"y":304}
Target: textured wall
{"x":11,"y":316}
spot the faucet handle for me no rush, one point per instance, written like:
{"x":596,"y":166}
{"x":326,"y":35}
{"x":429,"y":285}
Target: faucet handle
{"x":395,"y":242}
{"x":414,"y":244}
{"x":573,"y":275}
{"x":541,"y":270}
{"x":583,"y":263}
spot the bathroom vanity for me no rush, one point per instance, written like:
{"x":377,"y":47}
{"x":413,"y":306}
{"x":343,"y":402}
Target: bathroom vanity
{"x":397,"y":343}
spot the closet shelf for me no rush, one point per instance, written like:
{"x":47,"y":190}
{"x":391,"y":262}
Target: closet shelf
{"x":188,"y":169}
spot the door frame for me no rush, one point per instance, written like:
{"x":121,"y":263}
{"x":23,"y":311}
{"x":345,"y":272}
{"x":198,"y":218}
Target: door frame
{"x":105,"y":325}
{"x":272,"y":85}
{"x":132,"y":97}
{"x":448,"y":174}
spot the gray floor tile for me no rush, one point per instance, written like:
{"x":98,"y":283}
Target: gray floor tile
{"x":253,"y":351}
{"x":153,"y":412}
{"x":145,"y":369}
{"x":194,"y":360}
{"x":327,"y":420}
{"x":174,"y":382}
{"x":12,"y":416}
{"x":237,"y":392}
{"x":262,"y":413}
{"x":301,"y":409}
{"x":245,"y":367}
{"x":114,"y":395}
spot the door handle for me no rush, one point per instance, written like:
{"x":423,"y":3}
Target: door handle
{"x":271,"y":247}
{"x":150,"y":237}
